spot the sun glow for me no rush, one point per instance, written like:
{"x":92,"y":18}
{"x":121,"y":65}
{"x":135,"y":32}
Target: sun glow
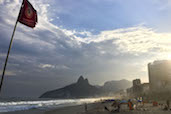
{"x":169,"y":56}
{"x":165,"y":56}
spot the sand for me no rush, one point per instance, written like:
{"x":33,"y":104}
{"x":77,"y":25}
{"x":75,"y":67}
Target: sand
{"x":96,"y":108}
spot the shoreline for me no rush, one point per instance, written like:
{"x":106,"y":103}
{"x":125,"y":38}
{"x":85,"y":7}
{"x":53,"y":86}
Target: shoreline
{"x":95,"y":108}
{"x":42,"y":105}
{"x":75,"y":109}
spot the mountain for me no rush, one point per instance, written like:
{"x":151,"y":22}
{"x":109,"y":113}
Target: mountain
{"x":82,"y":89}
{"x":111,"y":86}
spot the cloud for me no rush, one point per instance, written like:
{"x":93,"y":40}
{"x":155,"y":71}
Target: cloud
{"x":135,"y":40}
{"x":50,"y":52}
{"x":47,"y":66}
{"x":58,"y":67}
{"x":62,"y":67}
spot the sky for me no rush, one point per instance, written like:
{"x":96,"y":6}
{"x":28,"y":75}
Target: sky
{"x":100,"y":39}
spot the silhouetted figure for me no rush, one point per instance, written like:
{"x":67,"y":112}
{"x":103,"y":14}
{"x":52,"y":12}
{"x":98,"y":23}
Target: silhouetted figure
{"x":85,"y":106}
{"x":168,"y":104}
{"x":106,"y":108}
{"x":165,"y":107}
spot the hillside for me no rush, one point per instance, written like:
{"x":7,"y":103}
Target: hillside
{"x":82,"y":89}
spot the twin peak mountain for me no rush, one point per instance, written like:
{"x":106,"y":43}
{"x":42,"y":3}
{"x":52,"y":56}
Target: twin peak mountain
{"x":82,"y":89}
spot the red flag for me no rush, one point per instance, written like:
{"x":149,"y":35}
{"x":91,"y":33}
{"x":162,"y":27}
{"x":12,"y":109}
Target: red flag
{"x":28,"y":15}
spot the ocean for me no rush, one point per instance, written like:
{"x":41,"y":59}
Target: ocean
{"x":9,"y":106}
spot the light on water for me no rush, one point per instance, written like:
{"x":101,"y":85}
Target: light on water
{"x":42,"y":104}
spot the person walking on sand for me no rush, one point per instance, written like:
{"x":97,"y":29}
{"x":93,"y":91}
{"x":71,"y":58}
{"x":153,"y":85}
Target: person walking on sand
{"x":85,"y":106}
{"x":168,"y":104}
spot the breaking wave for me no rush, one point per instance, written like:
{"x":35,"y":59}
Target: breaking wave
{"x":8,"y":106}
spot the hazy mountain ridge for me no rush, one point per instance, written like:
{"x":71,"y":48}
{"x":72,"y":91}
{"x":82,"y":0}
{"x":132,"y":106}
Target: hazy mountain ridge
{"x":82,"y":89}
{"x":117,"y":85}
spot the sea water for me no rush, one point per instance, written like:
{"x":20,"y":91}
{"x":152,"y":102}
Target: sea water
{"x":8,"y":106}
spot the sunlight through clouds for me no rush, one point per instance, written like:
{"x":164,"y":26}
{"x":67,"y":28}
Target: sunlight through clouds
{"x":54,"y":50}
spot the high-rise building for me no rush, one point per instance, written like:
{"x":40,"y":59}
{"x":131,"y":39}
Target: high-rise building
{"x":136,"y":82}
{"x":138,"y":89}
{"x":160,"y":75}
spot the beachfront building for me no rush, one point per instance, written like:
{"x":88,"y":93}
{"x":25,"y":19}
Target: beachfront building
{"x":137,"y":86}
{"x":145,"y":88}
{"x":160,"y":76}
{"x":138,"y":89}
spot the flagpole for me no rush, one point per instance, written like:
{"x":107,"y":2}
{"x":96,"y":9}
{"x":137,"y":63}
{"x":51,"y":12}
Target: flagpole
{"x":10,"y":45}
{"x":8,"y":55}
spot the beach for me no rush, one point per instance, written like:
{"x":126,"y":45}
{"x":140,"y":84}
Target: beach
{"x":96,"y":108}
{"x":79,"y":109}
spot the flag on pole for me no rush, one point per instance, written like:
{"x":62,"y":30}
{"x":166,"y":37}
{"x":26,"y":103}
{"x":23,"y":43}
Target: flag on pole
{"x":27,"y":15}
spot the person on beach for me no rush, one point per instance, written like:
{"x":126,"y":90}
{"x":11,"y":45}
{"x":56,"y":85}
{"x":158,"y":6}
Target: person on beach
{"x":116,"y":105}
{"x":85,"y":106}
{"x":130,"y":105}
{"x":168,"y":104}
